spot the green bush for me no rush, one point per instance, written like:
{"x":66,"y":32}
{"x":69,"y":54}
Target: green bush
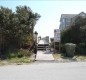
{"x":19,"y":53}
{"x":15,"y":28}
{"x":63,"y":48}
{"x":23,"y":53}
{"x":12,"y":55}
{"x":81,"y":48}
{"x":56,"y":45}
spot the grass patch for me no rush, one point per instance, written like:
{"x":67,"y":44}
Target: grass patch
{"x":56,"y":56}
{"x":80,"y":57}
{"x":76,"y":57}
{"x":21,"y":56}
{"x":3,"y":62}
{"x":18,"y":61}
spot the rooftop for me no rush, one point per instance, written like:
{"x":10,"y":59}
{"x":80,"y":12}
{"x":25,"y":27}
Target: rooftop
{"x":68,"y":15}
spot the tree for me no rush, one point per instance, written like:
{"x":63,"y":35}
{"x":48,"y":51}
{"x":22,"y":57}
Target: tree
{"x":5,"y":20}
{"x":76,"y":32}
{"x":27,"y":20}
{"x":16,"y":29}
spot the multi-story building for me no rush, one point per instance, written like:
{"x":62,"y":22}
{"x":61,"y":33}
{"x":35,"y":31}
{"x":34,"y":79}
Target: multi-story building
{"x":67,"y":19}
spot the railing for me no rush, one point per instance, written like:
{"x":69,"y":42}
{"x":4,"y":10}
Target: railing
{"x":43,"y":47}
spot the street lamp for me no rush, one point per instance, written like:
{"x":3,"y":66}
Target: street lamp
{"x":35,"y":36}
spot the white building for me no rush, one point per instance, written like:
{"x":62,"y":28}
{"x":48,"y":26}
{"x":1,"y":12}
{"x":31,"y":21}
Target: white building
{"x":43,"y":43}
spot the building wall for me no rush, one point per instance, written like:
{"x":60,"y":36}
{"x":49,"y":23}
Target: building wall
{"x":67,"y":19}
{"x":65,"y":23}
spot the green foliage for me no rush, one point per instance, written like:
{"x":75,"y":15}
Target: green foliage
{"x":23,"y":53}
{"x":72,"y":35}
{"x":16,"y":29}
{"x":81,"y":48}
{"x":12,"y":55}
{"x":76,"y":34}
{"x":19,"y":61}
{"x":63,"y":48}
{"x":19,"y":53}
{"x":56,"y":45}
{"x":65,"y":37}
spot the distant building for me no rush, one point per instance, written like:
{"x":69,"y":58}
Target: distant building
{"x":43,"y":43}
{"x":67,"y":19}
{"x":46,"y":39}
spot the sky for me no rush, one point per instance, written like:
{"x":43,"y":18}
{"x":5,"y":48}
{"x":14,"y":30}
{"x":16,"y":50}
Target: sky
{"x":50,"y":11}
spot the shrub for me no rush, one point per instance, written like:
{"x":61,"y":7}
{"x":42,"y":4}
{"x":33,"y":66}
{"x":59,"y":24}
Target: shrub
{"x":81,"y":48}
{"x":62,"y":48}
{"x":23,"y":53}
{"x":11,"y":55}
{"x":56,"y":45}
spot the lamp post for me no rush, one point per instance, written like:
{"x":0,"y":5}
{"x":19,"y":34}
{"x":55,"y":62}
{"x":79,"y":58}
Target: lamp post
{"x":35,"y":36}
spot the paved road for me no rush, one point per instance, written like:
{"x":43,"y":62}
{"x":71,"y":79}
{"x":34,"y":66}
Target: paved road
{"x":44,"y":71}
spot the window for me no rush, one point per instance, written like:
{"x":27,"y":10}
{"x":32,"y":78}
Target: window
{"x":63,"y":20}
{"x":82,"y":14}
{"x":68,"y":23}
{"x":68,"y":19}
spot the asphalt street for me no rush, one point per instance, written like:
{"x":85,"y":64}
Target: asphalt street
{"x":44,"y":71}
